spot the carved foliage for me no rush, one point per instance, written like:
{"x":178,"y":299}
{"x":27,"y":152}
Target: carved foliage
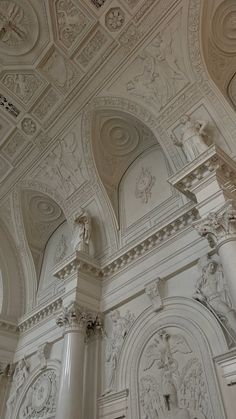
{"x":24,"y":85}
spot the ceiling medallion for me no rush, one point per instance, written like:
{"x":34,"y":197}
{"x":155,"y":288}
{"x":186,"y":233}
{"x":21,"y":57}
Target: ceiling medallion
{"x":144,"y":185}
{"x":224,"y":26}
{"x":115,"y":19}
{"x":119,"y":137}
{"x":18,"y":27}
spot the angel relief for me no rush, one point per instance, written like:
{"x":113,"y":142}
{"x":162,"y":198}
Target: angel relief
{"x":169,"y":391}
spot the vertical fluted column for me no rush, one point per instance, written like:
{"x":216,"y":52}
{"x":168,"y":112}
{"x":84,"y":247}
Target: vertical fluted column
{"x":70,"y":401}
{"x":219,"y":227}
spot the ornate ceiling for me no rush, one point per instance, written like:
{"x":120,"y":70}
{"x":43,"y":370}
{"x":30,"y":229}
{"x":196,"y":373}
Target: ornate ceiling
{"x":87,"y":86}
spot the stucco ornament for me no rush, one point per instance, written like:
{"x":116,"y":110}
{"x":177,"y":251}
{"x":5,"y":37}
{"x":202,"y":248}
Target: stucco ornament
{"x":167,"y":392}
{"x":192,"y":137}
{"x":120,"y":328}
{"x":211,"y":291}
{"x":152,"y":291}
{"x":40,"y":399}
{"x":61,"y":249}
{"x":20,"y":375}
{"x":82,"y":232}
{"x":144,"y":185}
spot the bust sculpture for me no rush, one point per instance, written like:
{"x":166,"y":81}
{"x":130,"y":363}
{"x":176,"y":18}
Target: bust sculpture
{"x":192,"y":137}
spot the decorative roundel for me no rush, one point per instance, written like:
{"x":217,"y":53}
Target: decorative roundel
{"x":19,"y":27}
{"x":119,"y":137}
{"x":44,"y":208}
{"x":41,"y":393}
{"x":224,"y":26}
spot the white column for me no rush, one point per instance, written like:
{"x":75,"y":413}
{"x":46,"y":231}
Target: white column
{"x":70,"y":400}
{"x":219,"y":227}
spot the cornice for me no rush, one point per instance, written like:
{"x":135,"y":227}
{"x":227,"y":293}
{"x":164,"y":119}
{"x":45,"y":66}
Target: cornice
{"x":38,"y":315}
{"x":7,"y":326}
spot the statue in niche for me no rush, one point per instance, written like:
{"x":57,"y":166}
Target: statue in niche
{"x":20,"y":375}
{"x":212,"y":292}
{"x":82,"y":232}
{"x":169,"y":392}
{"x":193,"y":137}
{"x":121,"y":325}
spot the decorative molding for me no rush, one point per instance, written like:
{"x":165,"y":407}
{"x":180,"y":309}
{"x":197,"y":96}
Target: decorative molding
{"x":9,"y":107}
{"x":115,"y":19}
{"x":218,"y":226}
{"x":6,"y":326}
{"x":39,"y":315}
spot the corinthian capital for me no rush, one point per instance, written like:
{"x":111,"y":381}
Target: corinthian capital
{"x":73,"y":317}
{"x":77,"y":317}
{"x":218,"y":226}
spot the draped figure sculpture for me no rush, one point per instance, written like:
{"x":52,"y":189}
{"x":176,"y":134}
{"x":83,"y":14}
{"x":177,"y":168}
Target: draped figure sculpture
{"x":193,"y":134}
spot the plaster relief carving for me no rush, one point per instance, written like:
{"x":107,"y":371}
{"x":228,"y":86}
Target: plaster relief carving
{"x":24,"y":85}
{"x":61,"y":249}
{"x":46,"y":105}
{"x":64,"y":166}
{"x":71,"y":21}
{"x":82,"y":232}
{"x":211,"y":291}
{"x":42,"y":354}
{"x":132,"y":3}
{"x":14,"y":146}
{"x":92,"y":49}
{"x":162,"y":76}
{"x":40,"y":399}
{"x":98,"y":3}
{"x":120,"y":328}
{"x":60,"y":71}
{"x":18,"y":27}
{"x":115,"y":19}
{"x":193,"y":137}
{"x":224,"y":26}
{"x":152,"y":291}
{"x":20,"y":375}
{"x":174,"y":386}
{"x":144,"y":185}
{"x":218,"y":225}
{"x":28,"y":126}
{"x":119,"y":137}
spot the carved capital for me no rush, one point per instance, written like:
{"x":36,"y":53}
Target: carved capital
{"x":76,"y":317}
{"x":152,"y":291}
{"x":219,"y":225}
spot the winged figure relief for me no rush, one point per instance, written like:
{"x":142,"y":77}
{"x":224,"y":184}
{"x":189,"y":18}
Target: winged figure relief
{"x":175,"y":393}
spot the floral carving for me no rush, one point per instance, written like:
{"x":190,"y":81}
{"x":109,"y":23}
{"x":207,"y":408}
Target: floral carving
{"x":28,"y":126}
{"x":115,"y":19}
{"x":144,"y":185}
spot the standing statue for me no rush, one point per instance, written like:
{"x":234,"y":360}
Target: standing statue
{"x":82,"y":232}
{"x":20,"y":375}
{"x":192,"y":139}
{"x":211,"y":291}
{"x":121,"y":325}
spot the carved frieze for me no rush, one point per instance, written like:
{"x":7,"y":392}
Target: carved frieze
{"x":93,"y":48}
{"x":73,"y":22}
{"x":24,"y":85}
{"x":46,"y":105}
